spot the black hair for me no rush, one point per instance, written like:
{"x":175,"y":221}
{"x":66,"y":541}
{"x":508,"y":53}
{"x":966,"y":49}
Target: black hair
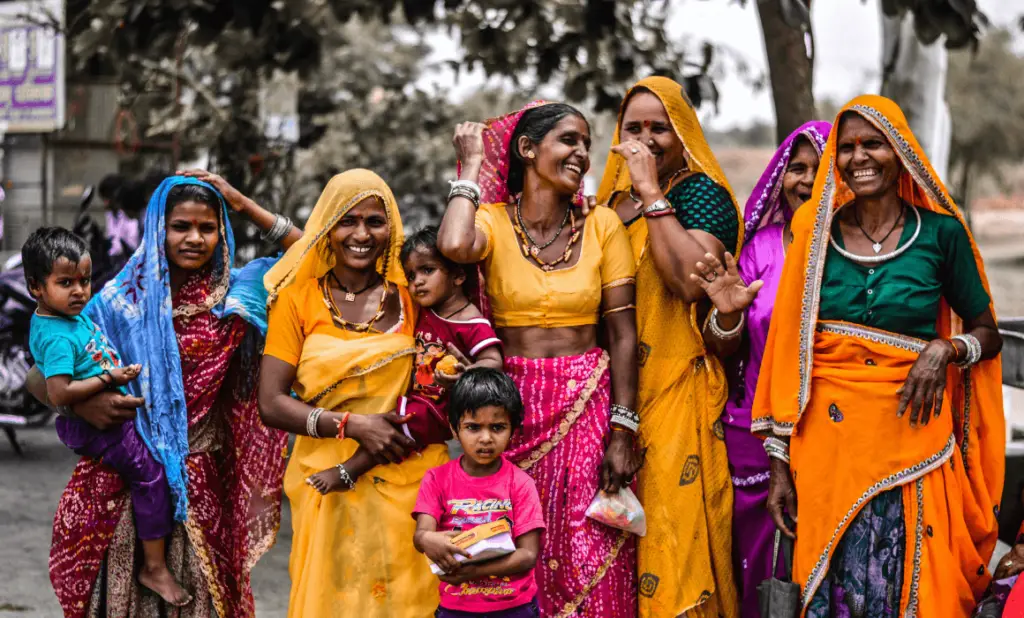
{"x":192,"y":193}
{"x":483,"y":386}
{"x":535,"y":123}
{"x":426,"y":239}
{"x":45,"y":246}
{"x":110,"y":186}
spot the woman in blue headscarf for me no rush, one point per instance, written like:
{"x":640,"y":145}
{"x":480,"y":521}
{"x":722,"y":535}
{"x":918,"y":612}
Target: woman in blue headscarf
{"x":196,"y":325}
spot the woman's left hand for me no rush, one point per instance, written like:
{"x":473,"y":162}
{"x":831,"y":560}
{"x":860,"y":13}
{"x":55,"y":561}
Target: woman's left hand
{"x":643,"y":169}
{"x":463,"y":574}
{"x":926,"y":383}
{"x":232,"y":196}
{"x":621,"y":461}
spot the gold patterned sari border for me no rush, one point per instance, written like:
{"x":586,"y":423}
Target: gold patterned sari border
{"x":360,"y":371}
{"x":569,"y":608}
{"x":578,"y":407}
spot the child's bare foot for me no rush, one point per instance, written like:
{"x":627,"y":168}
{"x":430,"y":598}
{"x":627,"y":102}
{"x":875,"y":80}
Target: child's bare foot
{"x":327,"y":481}
{"x":161,"y":581}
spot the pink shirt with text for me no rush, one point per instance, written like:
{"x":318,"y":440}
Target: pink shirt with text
{"x":459,"y":502}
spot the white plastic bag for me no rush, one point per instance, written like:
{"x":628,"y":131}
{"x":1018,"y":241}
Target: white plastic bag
{"x":621,"y":510}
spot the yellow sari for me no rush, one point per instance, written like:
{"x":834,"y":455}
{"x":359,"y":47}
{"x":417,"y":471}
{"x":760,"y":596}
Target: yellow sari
{"x":949,"y":472}
{"x":685,"y":561}
{"x":352,"y":552}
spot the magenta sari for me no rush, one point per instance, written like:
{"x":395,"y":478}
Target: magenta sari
{"x":585,"y":568}
{"x":765,"y":216}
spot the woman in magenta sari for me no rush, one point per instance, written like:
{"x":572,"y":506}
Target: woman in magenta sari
{"x":552,"y":275}
{"x":784,"y":186}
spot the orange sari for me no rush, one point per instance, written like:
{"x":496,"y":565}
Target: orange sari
{"x":950,"y":471}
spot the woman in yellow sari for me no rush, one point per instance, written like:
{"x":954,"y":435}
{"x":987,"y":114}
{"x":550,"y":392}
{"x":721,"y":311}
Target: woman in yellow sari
{"x":340,"y":335}
{"x":670,"y":192}
{"x":880,"y":388}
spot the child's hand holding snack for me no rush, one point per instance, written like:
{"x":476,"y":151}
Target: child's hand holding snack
{"x":439,"y":548}
{"x":451,"y":367}
{"x":123,"y":375}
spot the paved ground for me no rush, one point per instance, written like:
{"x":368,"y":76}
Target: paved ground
{"x":29,"y":489}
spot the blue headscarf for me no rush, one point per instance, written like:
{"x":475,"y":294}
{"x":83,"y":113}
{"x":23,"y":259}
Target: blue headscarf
{"x":134,"y":311}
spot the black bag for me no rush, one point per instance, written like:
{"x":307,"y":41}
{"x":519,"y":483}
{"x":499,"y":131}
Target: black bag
{"x":779,"y":598}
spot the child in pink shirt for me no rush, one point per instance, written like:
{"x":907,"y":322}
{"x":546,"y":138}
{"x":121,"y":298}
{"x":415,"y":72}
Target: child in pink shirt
{"x":481,"y":486}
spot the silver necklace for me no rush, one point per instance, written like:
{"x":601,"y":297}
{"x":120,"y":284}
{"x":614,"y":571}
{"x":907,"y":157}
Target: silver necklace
{"x":878,"y":259}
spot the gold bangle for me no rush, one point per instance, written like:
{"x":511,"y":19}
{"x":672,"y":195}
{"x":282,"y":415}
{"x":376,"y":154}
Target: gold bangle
{"x":617,"y":310}
{"x":619,"y":282}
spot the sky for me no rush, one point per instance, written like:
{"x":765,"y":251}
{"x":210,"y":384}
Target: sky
{"x":847,"y":47}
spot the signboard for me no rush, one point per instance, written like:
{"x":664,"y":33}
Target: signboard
{"x":31,"y":66}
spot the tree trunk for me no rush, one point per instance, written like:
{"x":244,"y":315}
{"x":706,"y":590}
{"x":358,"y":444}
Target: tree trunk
{"x":789,"y":67}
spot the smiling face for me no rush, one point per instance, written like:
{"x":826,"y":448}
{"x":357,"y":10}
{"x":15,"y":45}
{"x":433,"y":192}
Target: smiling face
{"x":361,"y":236}
{"x":193,"y":233}
{"x":646,"y":121}
{"x":484,"y":434}
{"x":798,"y":179}
{"x":67,"y":288}
{"x":562,"y":158}
{"x":866,"y":160}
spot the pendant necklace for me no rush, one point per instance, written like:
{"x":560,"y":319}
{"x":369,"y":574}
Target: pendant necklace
{"x":876,"y":245}
{"x":351,"y":296}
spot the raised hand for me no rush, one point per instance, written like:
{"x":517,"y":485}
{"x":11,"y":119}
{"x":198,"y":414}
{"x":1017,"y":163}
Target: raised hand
{"x":238,"y":202}
{"x":723,"y":284}
{"x":469,"y":142}
{"x":643,"y":170}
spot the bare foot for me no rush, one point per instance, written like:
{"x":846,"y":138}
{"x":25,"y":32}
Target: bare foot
{"x":163,"y":583}
{"x":327,"y":481}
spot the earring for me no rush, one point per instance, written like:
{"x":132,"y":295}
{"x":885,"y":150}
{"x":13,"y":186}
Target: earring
{"x":650,"y":142}
{"x":530,"y":155}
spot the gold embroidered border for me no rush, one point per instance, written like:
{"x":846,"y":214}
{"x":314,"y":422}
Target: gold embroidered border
{"x":570,"y":607}
{"x":570,"y":419}
{"x":619,"y":282}
{"x":359,"y":371}
{"x":195,"y":536}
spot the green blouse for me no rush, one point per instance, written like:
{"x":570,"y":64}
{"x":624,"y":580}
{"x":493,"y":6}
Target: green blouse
{"x":902,"y":295}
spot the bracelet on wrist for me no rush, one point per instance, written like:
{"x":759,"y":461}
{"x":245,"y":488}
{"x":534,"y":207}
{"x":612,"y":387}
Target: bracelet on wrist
{"x":721,"y":333}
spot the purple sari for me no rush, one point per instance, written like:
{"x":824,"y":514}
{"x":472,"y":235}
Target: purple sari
{"x":765,"y":216}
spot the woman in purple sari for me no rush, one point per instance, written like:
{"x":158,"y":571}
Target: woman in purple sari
{"x":785,"y":185}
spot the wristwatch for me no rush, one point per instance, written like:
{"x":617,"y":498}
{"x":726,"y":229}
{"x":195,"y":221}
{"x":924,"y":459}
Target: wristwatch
{"x":658,"y":208}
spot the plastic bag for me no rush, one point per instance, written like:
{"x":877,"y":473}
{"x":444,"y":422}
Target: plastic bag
{"x":621,"y":510}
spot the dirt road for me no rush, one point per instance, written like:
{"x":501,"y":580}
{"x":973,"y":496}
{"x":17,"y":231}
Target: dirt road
{"x":29,"y":490}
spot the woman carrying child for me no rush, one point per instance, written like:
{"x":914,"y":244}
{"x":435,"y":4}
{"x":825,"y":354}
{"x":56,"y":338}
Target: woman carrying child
{"x":449,"y":331}
{"x":195,"y":326}
{"x":341,"y":336}
{"x":552,"y":274}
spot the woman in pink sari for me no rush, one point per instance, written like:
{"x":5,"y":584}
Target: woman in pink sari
{"x":551,"y":274}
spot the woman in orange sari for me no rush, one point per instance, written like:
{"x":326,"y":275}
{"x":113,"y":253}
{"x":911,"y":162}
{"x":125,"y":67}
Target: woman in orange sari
{"x":879,"y":394}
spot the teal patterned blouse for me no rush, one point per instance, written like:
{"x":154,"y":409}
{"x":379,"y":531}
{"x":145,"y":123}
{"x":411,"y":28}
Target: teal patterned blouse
{"x":701,"y":204}
{"x":902,"y":295}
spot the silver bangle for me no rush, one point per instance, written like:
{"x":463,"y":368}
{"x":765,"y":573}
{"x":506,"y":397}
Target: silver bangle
{"x":776,"y":448}
{"x":346,"y":478}
{"x":311,"y":420}
{"x":282,"y":225}
{"x":721,"y":333}
{"x":973,"y":350}
{"x":625,"y":417}
{"x":468,"y":185}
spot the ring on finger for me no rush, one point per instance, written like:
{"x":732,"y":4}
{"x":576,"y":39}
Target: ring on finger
{"x":711,"y":276}
{"x":634,"y":150}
